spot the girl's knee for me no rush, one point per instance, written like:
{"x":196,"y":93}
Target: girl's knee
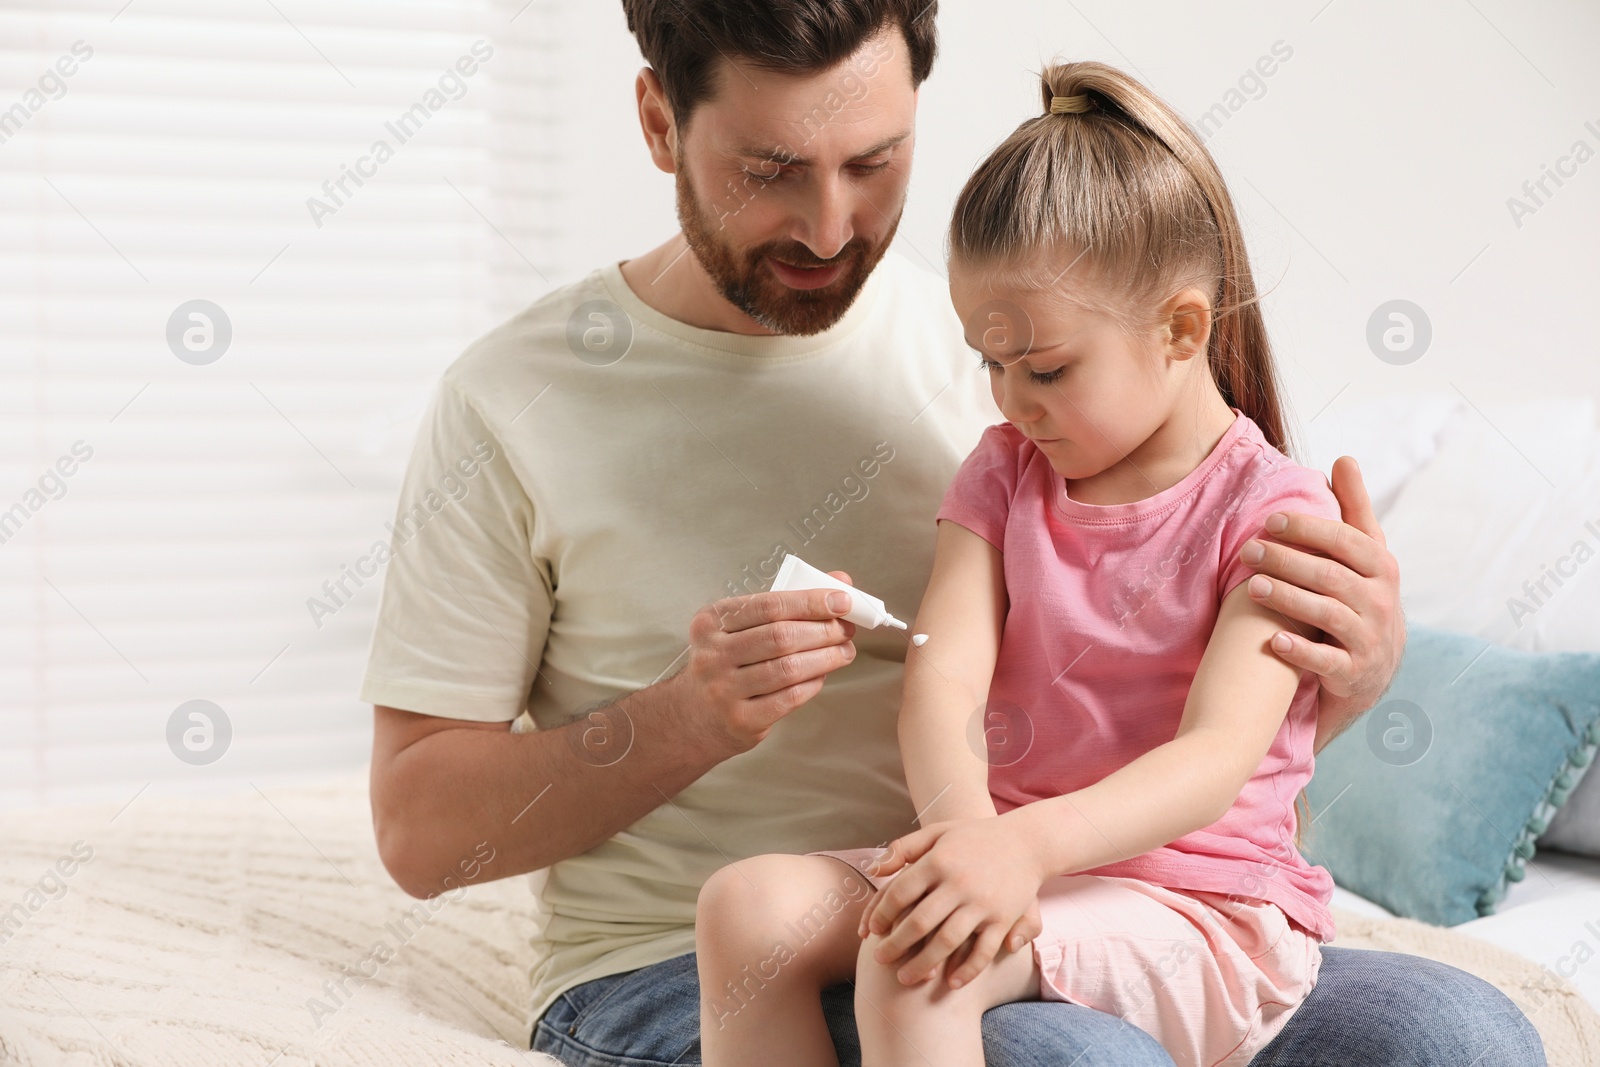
{"x":879,"y":991}
{"x":731,"y":912}
{"x":790,"y":912}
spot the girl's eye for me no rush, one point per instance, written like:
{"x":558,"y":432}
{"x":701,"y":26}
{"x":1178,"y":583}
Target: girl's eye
{"x":1042,"y":379}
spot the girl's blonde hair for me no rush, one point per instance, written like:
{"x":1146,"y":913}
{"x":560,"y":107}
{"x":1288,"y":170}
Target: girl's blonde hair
{"x":1117,"y":186}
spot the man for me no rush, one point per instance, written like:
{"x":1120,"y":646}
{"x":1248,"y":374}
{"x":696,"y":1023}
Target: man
{"x":626,"y":463}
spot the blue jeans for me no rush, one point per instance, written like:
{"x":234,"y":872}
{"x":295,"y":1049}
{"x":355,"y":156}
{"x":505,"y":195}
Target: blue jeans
{"x":1368,"y":1008}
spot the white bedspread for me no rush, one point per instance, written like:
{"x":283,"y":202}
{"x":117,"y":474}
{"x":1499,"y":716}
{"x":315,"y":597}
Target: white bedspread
{"x":1551,"y":917}
{"x":262,"y":929}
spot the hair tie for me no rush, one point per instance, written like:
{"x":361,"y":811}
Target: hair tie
{"x":1069,"y":105}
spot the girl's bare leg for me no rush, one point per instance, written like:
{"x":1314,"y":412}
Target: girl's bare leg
{"x":930,"y":1024}
{"x":772,"y":932}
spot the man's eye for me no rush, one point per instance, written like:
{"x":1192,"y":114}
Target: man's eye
{"x":873,"y":168}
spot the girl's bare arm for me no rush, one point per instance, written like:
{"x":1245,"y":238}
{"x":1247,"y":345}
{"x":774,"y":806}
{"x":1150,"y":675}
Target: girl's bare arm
{"x":947,"y":680}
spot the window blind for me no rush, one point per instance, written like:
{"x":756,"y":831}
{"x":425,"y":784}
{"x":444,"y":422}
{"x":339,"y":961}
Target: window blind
{"x":238,"y":245}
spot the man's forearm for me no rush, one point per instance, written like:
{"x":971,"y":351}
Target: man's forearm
{"x":1335,"y":715}
{"x":533,"y":798}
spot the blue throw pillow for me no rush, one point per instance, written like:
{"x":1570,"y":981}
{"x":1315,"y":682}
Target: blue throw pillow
{"x":1430,"y":803}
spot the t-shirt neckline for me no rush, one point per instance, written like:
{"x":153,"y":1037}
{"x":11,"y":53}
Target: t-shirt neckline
{"x":1076,"y":511}
{"x":765,"y":348}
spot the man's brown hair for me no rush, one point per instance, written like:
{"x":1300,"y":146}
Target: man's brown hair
{"x":683,"y":39}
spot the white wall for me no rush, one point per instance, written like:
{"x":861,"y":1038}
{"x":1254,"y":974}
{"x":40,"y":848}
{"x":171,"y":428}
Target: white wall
{"x":1376,"y":165}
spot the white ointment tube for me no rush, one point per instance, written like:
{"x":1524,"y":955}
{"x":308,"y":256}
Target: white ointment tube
{"x":865,"y":610}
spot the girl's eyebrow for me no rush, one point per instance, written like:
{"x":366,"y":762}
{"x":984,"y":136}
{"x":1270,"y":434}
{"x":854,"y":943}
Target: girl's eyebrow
{"x":1034,"y":351}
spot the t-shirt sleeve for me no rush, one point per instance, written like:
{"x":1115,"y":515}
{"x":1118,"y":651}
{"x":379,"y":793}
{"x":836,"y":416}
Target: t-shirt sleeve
{"x":980,"y":495}
{"x":1289,"y":489}
{"x":466,"y":606}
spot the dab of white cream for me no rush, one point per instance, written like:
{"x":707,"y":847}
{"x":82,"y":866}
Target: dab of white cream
{"x":919,"y":639}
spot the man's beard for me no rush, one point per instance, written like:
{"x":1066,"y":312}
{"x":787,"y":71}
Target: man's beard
{"x":747,"y":282}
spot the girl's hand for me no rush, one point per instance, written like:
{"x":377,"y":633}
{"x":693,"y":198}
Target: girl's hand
{"x":978,"y":952}
{"x":972,"y":878}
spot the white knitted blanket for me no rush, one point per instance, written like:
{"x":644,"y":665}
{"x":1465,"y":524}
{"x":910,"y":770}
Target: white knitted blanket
{"x":257,"y":930}
{"x":262,"y":930}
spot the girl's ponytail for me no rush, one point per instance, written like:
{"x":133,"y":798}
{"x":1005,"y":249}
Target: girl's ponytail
{"x":1112,"y":177}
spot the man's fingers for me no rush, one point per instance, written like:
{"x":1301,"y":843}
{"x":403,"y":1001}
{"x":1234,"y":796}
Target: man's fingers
{"x":1335,"y":540}
{"x":1316,"y":573}
{"x":734,"y":614}
{"x":765,"y":676}
{"x":1330,"y":663}
{"x":1354,"y":503}
{"x":1325,"y":613}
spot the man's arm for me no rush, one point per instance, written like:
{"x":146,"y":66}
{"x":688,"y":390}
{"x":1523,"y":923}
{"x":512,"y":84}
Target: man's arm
{"x":1347,"y":586}
{"x":443,"y":788}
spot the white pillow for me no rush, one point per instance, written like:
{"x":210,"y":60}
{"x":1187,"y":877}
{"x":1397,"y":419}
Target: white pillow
{"x":1510,"y":499}
{"x":1508,"y":504}
{"x":1576,"y":827}
{"x":1391,"y":437}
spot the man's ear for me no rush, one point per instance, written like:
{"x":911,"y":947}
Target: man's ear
{"x":1187,"y":319}
{"x":656,"y":120}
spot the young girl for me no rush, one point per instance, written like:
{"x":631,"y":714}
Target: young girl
{"x":1097,"y":728}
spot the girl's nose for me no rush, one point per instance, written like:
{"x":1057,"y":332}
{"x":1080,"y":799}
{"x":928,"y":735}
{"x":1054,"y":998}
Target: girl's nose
{"x":1017,"y":404}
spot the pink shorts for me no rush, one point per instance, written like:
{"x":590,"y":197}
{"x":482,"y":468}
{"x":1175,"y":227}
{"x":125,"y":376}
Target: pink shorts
{"x":1213,"y":978}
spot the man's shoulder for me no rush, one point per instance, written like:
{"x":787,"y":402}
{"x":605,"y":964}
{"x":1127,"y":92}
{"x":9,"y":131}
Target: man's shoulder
{"x":537,"y":337}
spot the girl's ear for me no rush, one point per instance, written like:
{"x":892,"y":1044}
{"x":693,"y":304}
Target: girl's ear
{"x":1187,"y":320}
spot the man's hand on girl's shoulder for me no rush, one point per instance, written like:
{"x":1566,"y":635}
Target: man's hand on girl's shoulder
{"x":1345,"y":583}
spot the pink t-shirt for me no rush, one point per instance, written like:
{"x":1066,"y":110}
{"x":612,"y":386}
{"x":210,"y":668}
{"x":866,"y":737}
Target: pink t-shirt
{"x":1111,"y":608}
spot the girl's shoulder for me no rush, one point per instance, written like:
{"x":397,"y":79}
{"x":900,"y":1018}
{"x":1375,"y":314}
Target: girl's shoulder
{"x":1256,"y":473}
{"x":988,"y":480}
{"x":1001,"y":447}
{"x":1255,"y":481}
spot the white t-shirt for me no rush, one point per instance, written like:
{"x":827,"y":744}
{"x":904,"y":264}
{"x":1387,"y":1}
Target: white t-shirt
{"x":571,"y":515}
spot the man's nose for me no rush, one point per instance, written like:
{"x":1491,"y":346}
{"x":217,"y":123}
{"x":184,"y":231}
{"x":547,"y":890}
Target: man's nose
{"x":825,"y":227}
